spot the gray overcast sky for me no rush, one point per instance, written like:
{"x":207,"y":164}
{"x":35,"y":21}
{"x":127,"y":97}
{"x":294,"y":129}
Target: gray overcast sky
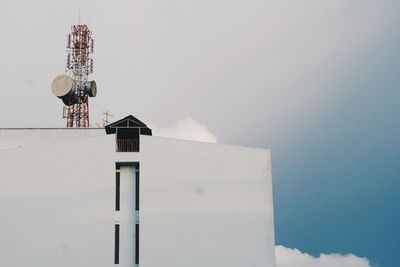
{"x":223,"y":62}
{"x":316,"y":81}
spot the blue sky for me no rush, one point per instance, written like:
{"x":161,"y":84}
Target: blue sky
{"x":336,"y":175}
{"x":315,"y":81}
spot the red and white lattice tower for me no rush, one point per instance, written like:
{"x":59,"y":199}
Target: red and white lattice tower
{"x":74,"y":89}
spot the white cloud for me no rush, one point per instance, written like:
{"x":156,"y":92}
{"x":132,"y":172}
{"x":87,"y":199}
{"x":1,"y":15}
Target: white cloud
{"x":287,"y":257}
{"x":187,"y":129}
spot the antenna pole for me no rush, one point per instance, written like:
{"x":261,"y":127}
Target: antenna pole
{"x":80,"y":46}
{"x":106,"y":117}
{"x":73,"y":87}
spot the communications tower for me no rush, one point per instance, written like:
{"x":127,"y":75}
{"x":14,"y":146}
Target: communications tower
{"x":73,"y":87}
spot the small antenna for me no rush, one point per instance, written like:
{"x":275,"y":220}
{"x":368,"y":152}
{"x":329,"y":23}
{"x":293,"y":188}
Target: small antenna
{"x":106,"y":117}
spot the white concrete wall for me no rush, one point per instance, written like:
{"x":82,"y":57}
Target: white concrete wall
{"x":201,"y":204}
{"x":56,"y":198}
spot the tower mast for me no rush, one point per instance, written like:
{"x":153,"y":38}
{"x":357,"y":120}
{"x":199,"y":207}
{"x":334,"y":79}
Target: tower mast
{"x":80,"y":46}
{"x":74,"y":89}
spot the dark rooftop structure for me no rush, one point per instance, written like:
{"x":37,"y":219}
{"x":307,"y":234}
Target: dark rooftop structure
{"x":128,"y":131}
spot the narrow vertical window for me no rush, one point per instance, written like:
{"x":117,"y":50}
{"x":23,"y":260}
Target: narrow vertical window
{"x":117,"y":190}
{"x":116,"y":249}
{"x":137,"y":189}
{"x":137,"y":244}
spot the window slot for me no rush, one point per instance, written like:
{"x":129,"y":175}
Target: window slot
{"x":137,"y":189}
{"x":137,"y":244}
{"x":116,"y":249}
{"x":117,"y":190}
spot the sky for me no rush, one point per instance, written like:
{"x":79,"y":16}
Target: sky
{"x":317,"y":82}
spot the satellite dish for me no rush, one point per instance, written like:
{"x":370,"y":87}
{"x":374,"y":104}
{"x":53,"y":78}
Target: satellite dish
{"x":62,"y":87}
{"x":91,"y":88}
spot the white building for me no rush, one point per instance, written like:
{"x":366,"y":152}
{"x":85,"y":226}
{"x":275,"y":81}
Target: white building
{"x":69,"y":198}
